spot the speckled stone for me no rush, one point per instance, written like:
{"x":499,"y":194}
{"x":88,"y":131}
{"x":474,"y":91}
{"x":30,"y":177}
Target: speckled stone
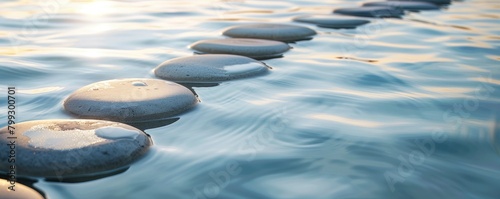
{"x":130,"y":100}
{"x":71,"y":148}
{"x":332,"y":21}
{"x":254,"y":48}
{"x":405,"y":5}
{"x":371,"y":11}
{"x":279,"y":32}
{"x":209,"y":68}
{"x":439,"y":2}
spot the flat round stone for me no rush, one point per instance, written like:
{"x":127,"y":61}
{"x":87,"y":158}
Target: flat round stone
{"x":439,"y":2}
{"x":21,"y":191}
{"x":405,"y":5}
{"x":71,"y":148}
{"x":371,"y":11}
{"x":332,"y":21}
{"x":254,"y":48}
{"x":209,"y":68}
{"x":279,"y":32}
{"x":130,"y":100}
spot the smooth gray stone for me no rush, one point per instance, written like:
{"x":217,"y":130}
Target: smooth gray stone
{"x":254,"y":48}
{"x":405,"y":5}
{"x":372,"y":11}
{"x":438,"y":2}
{"x":130,"y":100}
{"x":278,"y":32}
{"x":21,"y":191}
{"x":71,"y":148}
{"x":332,"y":21}
{"x":209,"y":68}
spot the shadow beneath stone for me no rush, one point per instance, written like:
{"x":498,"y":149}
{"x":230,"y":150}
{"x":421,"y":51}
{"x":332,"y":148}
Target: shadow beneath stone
{"x":86,"y":178}
{"x":271,"y":57}
{"x":190,"y":85}
{"x":332,"y":27}
{"x":295,"y":41}
{"x":153,"y":124}
{"x":256,"y":58}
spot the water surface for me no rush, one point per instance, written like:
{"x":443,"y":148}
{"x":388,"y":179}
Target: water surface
{"x":398,"y":108}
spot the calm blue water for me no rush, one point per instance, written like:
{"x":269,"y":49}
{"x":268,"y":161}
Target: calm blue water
{"x":398,"y":108}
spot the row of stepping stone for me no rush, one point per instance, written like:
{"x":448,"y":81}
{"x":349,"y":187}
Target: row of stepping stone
{"x":343,"y":17}
{"x":100,"y":142}
{"x":264,"y":41}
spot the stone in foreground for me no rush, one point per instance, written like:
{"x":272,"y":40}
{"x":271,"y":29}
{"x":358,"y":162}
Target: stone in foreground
{"x":209,"y":68}
{"x":254,"y":48}
{"x":130,"y":100}
{"x":71,"y":148}
{"x":279,"y":32}
{"x":405,"y":5}
{"x":371,"y":11}
{"x":21,"y":191}
{"x":332,"y":21}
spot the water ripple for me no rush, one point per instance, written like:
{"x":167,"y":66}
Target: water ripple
{"x":331,"y":118}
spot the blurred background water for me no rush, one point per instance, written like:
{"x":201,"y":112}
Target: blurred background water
{"x":398,"y":108}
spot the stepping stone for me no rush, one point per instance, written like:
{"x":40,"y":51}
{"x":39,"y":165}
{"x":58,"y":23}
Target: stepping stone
{"x":70,"y":148}
{"x":405,"y":5}
{"x":372,"y":11}
{"x":438,"y":2}
{"x":209,"y":68}
{"x":21,"y":191}
{"x":130,"y":100}
{"x":332,"y":21}
{"x":279,"y":32}
{"x":254,"y":48}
